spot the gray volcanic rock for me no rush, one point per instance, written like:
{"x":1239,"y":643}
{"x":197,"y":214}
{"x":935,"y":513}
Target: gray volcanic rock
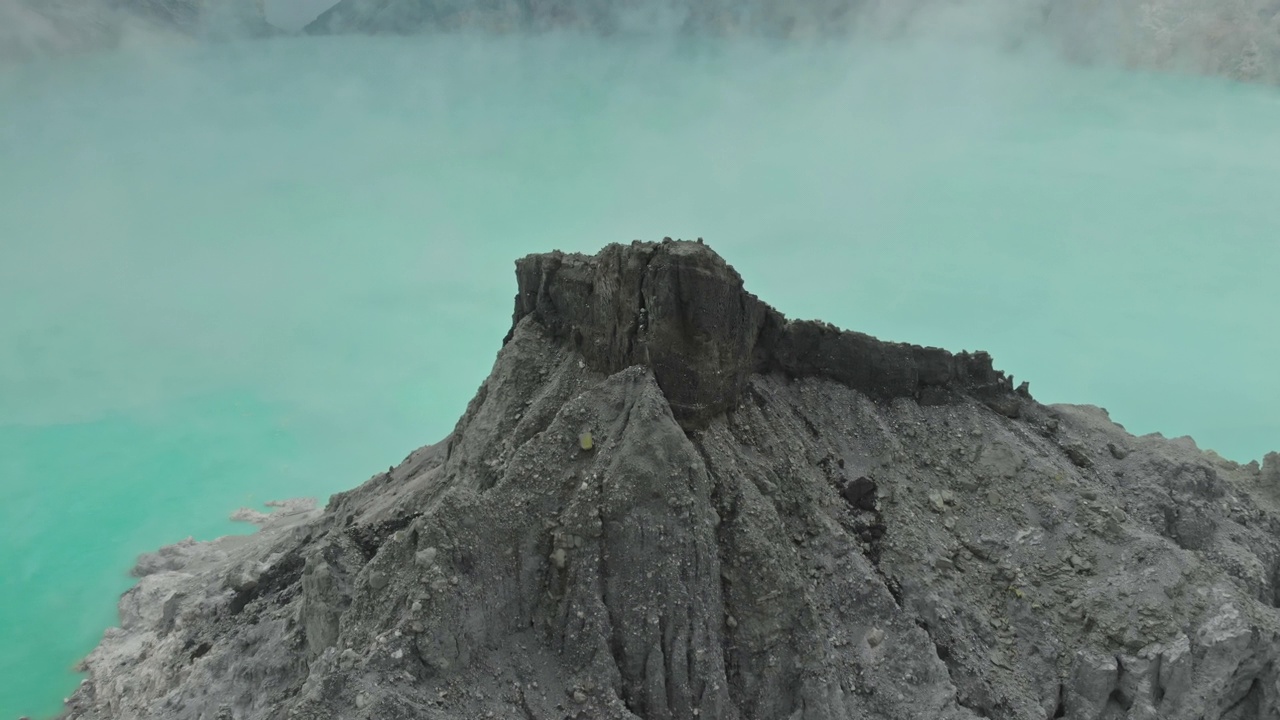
{"x":682,"y":312}
{"x":772,"y":519}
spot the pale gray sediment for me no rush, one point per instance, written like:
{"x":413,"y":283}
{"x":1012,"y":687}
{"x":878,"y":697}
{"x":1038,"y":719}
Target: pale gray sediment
{"x":775,"y":519}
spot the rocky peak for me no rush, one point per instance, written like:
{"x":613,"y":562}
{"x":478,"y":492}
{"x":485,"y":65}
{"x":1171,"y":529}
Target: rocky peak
{"x":679,"y":309}
{"x":612,"y":533}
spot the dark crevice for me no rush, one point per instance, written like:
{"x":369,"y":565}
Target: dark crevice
{"x":1060,"y":710}
{"x":1271,"y":594}
{"x":890,"y":584}
{"x":668,"y":667}
{"x":1120,"y":700}
{"x":813,"y":429}
{"x":417,"y":655}
{"x":1157,"y":690}
{"x":1247,"y":707}
{"x":639,"y":324}
{"x":873,"y":556}
{"x":196,"y":650}
{"x":943,"y":651}
{"x":277,"y":579}
{"x":369,"y":538}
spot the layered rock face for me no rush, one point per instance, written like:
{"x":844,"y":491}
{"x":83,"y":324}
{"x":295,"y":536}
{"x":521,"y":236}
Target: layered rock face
{"x":667,"y":501}
{"x":681,"y":311}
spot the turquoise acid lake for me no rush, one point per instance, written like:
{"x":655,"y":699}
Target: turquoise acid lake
{"x":238,"y":273}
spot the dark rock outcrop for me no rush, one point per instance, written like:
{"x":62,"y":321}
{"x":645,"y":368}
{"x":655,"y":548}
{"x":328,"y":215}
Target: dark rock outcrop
{"x":772,"y":519}
{"x":681,"y":311}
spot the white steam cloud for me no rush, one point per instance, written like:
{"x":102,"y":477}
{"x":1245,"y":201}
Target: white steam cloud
{"x":1239,"y":39}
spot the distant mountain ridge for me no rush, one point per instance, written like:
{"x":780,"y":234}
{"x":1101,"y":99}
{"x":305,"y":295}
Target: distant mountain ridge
{"x":31,"y":29}
{"x":1239,"y":39}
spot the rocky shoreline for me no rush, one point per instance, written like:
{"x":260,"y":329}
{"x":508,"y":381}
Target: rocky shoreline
{"x":772,"y":519}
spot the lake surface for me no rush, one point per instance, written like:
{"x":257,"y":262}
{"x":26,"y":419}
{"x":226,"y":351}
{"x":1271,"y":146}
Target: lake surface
{"x":236,"y":273}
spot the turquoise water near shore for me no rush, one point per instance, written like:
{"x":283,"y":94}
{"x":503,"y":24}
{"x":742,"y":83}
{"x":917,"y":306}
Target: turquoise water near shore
{"x":238,"y":273}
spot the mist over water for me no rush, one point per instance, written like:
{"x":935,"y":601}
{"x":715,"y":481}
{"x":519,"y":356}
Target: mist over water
{"x":240,"y":272}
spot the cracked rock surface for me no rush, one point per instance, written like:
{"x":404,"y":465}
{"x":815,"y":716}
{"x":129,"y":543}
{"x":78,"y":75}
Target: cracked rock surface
{"x":773,"y":519}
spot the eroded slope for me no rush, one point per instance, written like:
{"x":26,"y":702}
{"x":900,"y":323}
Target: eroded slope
{"x":818,"y":526}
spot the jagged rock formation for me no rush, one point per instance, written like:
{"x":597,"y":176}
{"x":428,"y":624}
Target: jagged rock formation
{"x":680,"y":311}
{"x":773,"y":519}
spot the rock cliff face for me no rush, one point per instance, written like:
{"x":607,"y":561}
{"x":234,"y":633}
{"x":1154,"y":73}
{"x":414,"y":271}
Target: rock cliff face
{"x":667,"y":501}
